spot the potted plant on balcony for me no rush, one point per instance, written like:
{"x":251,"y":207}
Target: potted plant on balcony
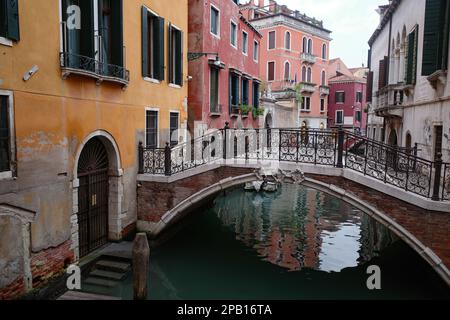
{"x":298,"y":93}
{"x":256,"y":112}
{"x":244,"y":109}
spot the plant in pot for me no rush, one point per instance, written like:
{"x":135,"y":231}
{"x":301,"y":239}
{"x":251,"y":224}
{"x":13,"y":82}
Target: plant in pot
{"x":244,"y":109}
{"x":256,"y":112}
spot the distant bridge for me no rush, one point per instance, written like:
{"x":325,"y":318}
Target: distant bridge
{"x":408,"y":194}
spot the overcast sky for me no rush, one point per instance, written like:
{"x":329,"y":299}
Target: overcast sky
{"x":352,"y":23}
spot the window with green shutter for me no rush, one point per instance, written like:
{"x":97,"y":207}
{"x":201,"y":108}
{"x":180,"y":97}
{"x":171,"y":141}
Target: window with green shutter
{"x":436,"y":32}
{"x":152,"y":45}
{"x":4,"y":135}
{"x":411,"y":59}
{"x":175,"y":56}
{"x":9,"y":19}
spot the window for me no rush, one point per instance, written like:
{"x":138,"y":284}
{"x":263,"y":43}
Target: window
{"x":174,"y":126}
{"x":340,"y":97}
{"x":5,"y":149}
{"x":411,"y":59}
{"x":358,"y":116}
{"x":339,"y":116}
{"x":306,"y":104}
{"x":152,"y":45}
{"x":436,"y":33}
{"x":233,"y":34}
{"x":383,"y":72}
{"x":309,"y":74}
{"x":287,"y":40}
{"x":215,"y":21}
{"x":244,"y":42}
{"x":359,"y":96}
{"x":245,"y":91}
{"x":322,"y":105}
{"x":287,"y":71}
{"x":234,"y":90}
{"x":271,"y":71}
{"x":304,"y":78}
{"x":323,"y":78}
{"x":256,"y":51}
{"x":151,"y":134}
{"x":305,"y":45}
{"x":9,"y":17}
{"x":324,"y":51}
{"x":310,"y":46}
{"x":272,"y":43}
{"x":255,"y":94}
{"x":175,"y":56}
{"x":214,"y":90}
{"x":102,"y":27}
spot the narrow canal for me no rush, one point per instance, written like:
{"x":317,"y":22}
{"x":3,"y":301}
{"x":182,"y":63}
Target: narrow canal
{"x":297,"y":243}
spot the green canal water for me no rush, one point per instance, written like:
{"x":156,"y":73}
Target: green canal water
{"x":297,"y":243}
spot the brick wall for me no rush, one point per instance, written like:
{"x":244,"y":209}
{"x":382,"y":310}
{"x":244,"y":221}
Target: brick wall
{"x":155,"y":199}
{"x":13,"y":290}
{"x":50,"y":262}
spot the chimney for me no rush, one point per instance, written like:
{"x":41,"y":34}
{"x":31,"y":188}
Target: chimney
{"x":273,"y":6}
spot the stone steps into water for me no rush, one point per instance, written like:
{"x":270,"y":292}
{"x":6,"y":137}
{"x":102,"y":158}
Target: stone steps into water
{"x":101,"y":282}
{"x":110,"y":275}
{"x":114,"y":266}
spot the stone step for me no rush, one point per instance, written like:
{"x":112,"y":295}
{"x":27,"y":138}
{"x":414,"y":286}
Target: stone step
{"x":76,"y":295}
{"x":112,"y":265}
{"x":101,"y":282}
{"x":112,"y":275}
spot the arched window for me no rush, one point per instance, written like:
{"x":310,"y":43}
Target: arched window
{"x":310,"y":46}
{"x":309,"y":78}
{"x":323,"y":80}
{"x":324,"y":51}
{"x":287,"y":71}
{"x":305,"y":45}
{"x":304,"y":79}
{"x":287,"y":40}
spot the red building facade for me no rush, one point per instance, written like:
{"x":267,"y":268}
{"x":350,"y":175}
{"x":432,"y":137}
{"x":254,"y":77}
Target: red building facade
{"x":223,"y":66}
{"x":347,"y":103}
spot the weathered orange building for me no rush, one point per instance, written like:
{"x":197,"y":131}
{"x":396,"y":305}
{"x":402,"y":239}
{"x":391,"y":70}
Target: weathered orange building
{"x":81,"y":84}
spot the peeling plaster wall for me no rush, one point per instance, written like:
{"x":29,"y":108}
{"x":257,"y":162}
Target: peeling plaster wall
{"x":11,"y":250}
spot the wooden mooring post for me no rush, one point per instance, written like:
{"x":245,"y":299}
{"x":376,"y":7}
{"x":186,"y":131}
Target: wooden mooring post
{"x":141,"y":260}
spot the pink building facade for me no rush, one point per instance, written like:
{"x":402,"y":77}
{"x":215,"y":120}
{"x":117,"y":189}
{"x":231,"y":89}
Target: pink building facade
{"x":294,"y":57}
{"x":224,"y":57}
{"x":347,"y":103}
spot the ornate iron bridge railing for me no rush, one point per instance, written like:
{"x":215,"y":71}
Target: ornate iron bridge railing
{"x":398,"y":167}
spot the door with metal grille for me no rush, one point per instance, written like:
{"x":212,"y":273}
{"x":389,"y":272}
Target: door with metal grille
{"x":93,"y":197}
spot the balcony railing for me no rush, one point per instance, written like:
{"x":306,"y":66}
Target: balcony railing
{"x":324,"y":90}
{"x":307,"y":87}
{"x":336,"y":148}
{"x":86,"y":66}
{"x":308,"y":57}
{"x":390,"y":101}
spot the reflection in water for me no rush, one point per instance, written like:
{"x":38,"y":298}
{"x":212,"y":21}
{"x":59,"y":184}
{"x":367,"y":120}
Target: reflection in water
{"x":299,"y":227}
{"x":297,"y":243}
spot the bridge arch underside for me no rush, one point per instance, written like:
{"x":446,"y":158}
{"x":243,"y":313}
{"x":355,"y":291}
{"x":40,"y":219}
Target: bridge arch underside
{"x":425,"y":231}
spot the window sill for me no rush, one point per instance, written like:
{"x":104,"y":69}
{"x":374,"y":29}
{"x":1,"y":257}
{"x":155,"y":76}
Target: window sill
{"x":6,"y":42}
{"x":151,"y":80}
{"x":175,"y":86}
{"x":6,"y":175}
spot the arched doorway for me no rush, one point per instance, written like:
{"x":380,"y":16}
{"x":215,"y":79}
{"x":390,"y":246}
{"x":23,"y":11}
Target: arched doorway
{"x":93,"y":196}
{"x":393,"y":141}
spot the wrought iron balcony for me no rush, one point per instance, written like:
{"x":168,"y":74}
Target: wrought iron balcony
{"x":307,"y":87}
{"x":308,"y":57}
{"x":86,"y":66}
{"x":215,"y":110}
{"x":324,"y":90}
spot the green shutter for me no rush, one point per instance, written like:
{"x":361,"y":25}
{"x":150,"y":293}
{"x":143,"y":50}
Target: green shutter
{"x":411,"y":63}
{"x":87,"y":27}
{"x":171,"y":53}
{"x":117,"y":33}
{"x":179,"y":59}
{"x":145,"y":62}
{"x":12,"y":24}
{"x":158,"y":47}
{"x":434,"y":37}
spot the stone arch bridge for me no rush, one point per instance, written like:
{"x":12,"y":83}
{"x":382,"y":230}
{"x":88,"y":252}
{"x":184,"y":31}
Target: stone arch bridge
{"x":408,"y":194}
